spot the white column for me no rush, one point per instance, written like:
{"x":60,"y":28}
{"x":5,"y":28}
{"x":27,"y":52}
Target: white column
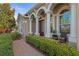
{"x":30,"y":26}
{"x":78,"y":27}
{"x":45,"y":26}
{"x":58,"y":25}
{"x":37,"y":26}
{"x":73,"y":36}
{"x":48,"y":24}
{"x":20,"y":28}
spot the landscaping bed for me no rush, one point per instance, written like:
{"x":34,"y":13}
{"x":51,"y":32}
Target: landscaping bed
{"x":6,"y":40}
{"x":51,"y":47}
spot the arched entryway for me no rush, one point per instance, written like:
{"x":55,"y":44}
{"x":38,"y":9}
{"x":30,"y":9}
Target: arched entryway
{"x":33,"y":21}
{"x":61,"y":19}
{"x":41,"y":19}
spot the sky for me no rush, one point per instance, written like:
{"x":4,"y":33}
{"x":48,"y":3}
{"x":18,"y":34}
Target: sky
{"x":21,"y":8}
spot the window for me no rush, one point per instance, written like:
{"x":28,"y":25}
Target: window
{"x":51,"y":25}
{"x":65,"y":22}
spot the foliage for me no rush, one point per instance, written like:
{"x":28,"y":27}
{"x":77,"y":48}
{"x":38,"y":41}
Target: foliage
{"x":51,"y":47}
{"x":6,"y":16}
{"x":15,"y":35}
{"x":5,"y":45}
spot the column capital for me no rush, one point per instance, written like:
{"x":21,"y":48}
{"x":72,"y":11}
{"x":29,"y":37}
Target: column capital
{"x":30,"y":19}
{"x":36,"y":16}
{"x":48,"y":11}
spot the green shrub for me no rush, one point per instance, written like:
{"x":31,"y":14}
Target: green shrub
{"x":51,"y":47}
{"x":5,"y":45}
{"x":15,"y":35}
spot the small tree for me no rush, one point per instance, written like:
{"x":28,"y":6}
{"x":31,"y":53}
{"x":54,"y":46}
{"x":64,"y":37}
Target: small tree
{"x":7,"y":19}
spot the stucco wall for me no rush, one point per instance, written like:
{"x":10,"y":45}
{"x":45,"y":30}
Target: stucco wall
{"x":33,"y":26}
{"x":27,"y":27}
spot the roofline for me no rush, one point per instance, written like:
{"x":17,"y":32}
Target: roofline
{"x":31,"y":9}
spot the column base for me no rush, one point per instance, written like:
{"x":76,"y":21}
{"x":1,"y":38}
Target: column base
{"x":37,"y":34}
{"x":30,"y":33}
{"x":78,"y":43}
{"x":47,"y":35}
{"x":72,"y":39}
{"x":51,"y":35}
{"x":21,"y":33}
{"x":73,"y":42}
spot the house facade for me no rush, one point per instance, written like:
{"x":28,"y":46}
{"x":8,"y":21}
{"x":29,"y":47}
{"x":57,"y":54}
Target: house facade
{"x":48,"y":19}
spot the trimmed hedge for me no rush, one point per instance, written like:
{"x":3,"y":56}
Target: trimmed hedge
{"x":6,"y":40}
{"x":51,"y":47}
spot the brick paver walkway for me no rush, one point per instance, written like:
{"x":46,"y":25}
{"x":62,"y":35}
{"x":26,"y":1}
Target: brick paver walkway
{"x":21,"y":48}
